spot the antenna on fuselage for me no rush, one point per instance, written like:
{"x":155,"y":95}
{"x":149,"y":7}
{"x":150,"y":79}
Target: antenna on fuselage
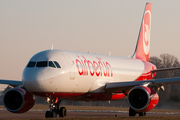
{"x":52,"y":47}
{"x":109,"y":53}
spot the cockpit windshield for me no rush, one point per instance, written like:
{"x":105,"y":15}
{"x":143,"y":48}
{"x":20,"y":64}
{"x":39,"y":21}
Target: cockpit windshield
{"x":53,"y":64}
{"x":41,"y":64}
{"x":31,"y":64}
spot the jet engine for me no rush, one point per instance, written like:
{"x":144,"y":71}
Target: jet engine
{"x":18,"y":100}
{"x":142,"y":99}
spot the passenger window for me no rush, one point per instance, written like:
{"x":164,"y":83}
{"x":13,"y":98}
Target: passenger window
{"x":51,"y":64}
{"x":57,"y":64}
{"x":31,"y":64}
{"x":41,"y":64}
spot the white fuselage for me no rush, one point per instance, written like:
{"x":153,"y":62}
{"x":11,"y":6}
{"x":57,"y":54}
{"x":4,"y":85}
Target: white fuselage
{"x":79,"y":72}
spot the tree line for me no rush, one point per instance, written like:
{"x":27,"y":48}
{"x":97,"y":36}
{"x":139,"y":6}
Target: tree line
{"x":172,"y":91}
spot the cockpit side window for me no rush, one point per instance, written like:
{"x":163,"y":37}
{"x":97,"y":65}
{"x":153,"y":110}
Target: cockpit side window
{"x":31,"y":64}
{"x":57,"y":64}
{"x":51,"y":64}
{"x":41,"y":64}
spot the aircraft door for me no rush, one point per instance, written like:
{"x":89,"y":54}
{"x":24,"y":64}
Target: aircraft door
{"x":71,"y":66}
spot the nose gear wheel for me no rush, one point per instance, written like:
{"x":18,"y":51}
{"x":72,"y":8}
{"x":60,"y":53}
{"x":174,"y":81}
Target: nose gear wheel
{"x":54,"y":108}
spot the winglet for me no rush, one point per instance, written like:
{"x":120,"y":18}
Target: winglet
{"x":143,"y":42}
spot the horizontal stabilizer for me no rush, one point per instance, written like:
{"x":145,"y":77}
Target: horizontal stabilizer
{"x":165,"y":69}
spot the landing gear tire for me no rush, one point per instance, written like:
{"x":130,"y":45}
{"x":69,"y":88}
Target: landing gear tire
{"x":54,"y":113}
{"x":132,"y":112}
{"x":54,"y":108}
{"x":62,"y":112}
{"x":48,"y":114}
{"x":142,"y":114}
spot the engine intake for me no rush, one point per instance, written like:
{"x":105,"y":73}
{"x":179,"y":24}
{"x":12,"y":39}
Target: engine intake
{"x":142,"y":99}
{"x":18,"y":100}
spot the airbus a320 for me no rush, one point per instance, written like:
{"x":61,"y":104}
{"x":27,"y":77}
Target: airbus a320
{"x":78,"y":76}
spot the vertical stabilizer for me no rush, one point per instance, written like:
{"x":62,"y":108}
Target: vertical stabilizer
{"x":143,"y":42}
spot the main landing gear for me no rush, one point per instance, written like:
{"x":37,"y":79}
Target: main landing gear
{"x":133,"y":112}
{"x":54,"y":108}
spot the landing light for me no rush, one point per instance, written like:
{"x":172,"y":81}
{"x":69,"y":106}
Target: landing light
{"x":48,"y":99}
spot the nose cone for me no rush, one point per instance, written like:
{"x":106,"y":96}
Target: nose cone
{"x":32,"y":79}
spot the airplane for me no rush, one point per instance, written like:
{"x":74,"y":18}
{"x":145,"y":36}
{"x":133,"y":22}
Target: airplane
{"x":59,"y":74}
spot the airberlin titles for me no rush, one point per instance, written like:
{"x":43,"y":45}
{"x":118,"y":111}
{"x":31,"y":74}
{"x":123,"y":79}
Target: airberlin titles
{"x":94,"y":68}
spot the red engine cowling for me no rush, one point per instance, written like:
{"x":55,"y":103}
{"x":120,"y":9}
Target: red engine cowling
{"x":142,"y":99}
{"x":18,"y":100}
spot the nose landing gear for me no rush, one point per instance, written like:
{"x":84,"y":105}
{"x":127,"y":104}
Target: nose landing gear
{"x":54,"y":108}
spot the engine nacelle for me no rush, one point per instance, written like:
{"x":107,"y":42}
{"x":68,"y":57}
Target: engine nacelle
{"x":142,"y":99}
{"x":18,"y":100}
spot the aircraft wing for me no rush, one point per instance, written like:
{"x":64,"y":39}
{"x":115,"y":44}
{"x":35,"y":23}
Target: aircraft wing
{"x":126,"y":86}
{"x":11,"y":82}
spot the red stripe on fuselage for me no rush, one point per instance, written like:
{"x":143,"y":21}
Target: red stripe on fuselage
{"x":82,"y":96}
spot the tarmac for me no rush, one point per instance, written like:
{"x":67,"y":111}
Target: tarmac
{"x":33,"y":114}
